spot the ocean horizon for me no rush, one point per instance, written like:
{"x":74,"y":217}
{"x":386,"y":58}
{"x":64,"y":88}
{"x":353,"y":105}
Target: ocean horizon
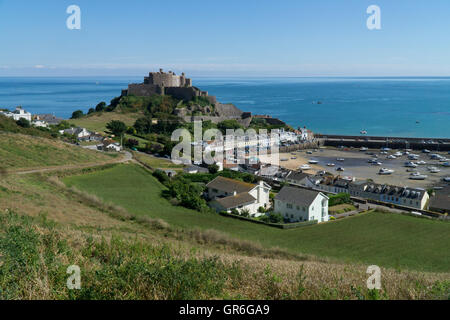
{"x":384,"y":106}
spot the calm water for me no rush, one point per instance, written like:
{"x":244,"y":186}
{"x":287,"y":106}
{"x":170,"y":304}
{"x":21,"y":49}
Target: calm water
{"x":382,"y":106}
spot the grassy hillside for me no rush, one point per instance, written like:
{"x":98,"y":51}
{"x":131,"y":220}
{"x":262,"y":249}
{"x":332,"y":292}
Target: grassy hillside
{"x":19,"y":151}
{"x":46,"y":227}
{"x":388,"y":240}
{"x":97,"y":121}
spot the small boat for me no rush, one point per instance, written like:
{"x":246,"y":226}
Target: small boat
{"x":398,"y":154}
{"x":330,"y":164}
{"x":417,"y":176}
{"x":340,"y":169}
{"x":293,"y":158}
{"x":313,"y":161}
{"x":421,"y":162}
{"x":434,"y":170}
{"x":410,"y":164}
{"x":446,"y":179}
{"x":363,"y":132}
{"x":391,"y":157}
{"x":446,"y":164}
{"x":305,"y":167}
{"x":363,"y":149}
{"x":426,"y":151}
{"x":284,"y":159}
{"x":308,"y":152}
{"x":340,"y":159}
{"x":384,"y":171}
{"x":443,"y":160}
{"x":411,"y":170}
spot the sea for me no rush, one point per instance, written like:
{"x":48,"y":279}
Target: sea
{"x":399,"y":107}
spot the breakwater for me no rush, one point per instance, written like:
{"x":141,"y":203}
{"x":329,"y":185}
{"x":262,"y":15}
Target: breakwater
{"x":374,"y":142}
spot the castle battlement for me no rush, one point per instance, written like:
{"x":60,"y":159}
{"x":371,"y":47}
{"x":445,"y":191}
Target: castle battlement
{"x":163,"y":83}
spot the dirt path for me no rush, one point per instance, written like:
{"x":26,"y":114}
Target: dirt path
{"x":127,"y":156}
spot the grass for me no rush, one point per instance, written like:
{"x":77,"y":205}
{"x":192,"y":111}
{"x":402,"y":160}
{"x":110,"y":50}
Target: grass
{"x":97,"y":121}
{"x":46,"y":227}
{"x":341,"y":208}
{"x":388,"y":240}
{"x":155,"y":162}
{"x":22,"y":151}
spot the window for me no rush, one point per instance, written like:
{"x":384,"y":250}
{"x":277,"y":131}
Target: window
{"x":288,"y":205}
{"x":298,"y":208}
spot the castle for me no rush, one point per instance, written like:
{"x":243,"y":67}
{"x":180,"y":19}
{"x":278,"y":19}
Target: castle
{"x":169,"y":83}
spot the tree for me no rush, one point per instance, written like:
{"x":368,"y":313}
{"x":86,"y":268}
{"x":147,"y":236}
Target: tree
{"x":131,"y":143}
{"x":213,"y":168}
{"x":77,"y":114}
{"x":100,"y":107}
{"x":229,"y":124}
{"x":143,"y":125}
{"x":91,"y":110}
{"x":118,"y":128}
{"x":24,"y":123}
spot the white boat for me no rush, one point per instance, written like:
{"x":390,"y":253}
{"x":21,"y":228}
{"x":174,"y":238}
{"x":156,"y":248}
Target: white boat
{"x":340,"y":159}
{"x":446,"y":179}
{"x":413,"y":156}
{"x":340,"y":169}
{"x":398,"y":154}
{"x":421,"y":162}
{"x":313,"y":161}
{"x":426,"y":151}
{"x":391,"y":157}
{"x":363,"y":149}
{"x":284,"y":159}
{"x":410,"y":164}
{"x":417,"y":176}
{"x":434,"y":170}
{"x":384,"y":171}
{"x":443,"y":160}
{"x":305,"y":167}
{"x":363,"y":132}
{"x":330,"y":164}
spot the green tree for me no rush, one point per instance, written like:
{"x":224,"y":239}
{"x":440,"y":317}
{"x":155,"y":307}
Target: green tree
{"x":100,"y":107}
{"x":91,"y":110}
{"x":77,"y":114}
{"x":24,"y":123}
{"x":143,"y":125}
{"x":118,"y":128}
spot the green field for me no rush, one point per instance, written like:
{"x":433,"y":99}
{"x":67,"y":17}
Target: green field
{"x":22,"y":151}
{"x":388,"y":240}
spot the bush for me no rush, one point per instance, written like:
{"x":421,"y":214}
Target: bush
{"x":161,"y":176}
{"x":24,"y":123}
{"x":77,"y":114}
{"x":340,"y":198}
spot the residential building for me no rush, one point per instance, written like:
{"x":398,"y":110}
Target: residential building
{"x":77,"y":132}
{"x":299,"y":204}
{"x":17,"y":114}
{"x":440,"y":202}
{"x":227,"y":194}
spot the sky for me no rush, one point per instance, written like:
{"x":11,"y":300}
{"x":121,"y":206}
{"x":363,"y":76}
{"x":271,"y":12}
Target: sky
{"x":225,"y":38}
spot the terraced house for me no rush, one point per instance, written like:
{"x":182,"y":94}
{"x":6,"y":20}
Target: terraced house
{"x":228,"y":194}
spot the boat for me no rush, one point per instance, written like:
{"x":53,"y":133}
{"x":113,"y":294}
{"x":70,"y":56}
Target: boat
{"x":340,"y":159}
{"x":421,"y":162}
{"x":363,"y":132}
{"x":363,"y":149}
{"x":330,"y":164}
{"x":284,"y":159}
{"x":384,"y":171}
{"x":313,"y":161}
{"x":305,"y":167}
{"x":293,"y":158}
{"x":417,"y":176}
{"x":391,"y":157}
{"x":434,"y":170}
{"x":426,"y":151}
{"x":410,"y":164}
{"x":340,"y":169}
{"x":446,"y":179}
{"x":398,"y":154}
{"x":446,"y":164}
{"x":411,"y":170}
{"x":443,"y":160}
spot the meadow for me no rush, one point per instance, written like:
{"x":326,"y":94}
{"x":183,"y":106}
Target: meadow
{"x":19,"y":151}
{"x":388,"y":240}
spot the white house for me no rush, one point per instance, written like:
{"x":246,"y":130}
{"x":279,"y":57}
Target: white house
{"x":19,"y":113}
{"x":77,"y":132}
{"x":298,"y":204}
{"x":227,"y":194}
{"x":39,"y":123}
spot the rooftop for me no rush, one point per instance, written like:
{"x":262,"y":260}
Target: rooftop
{"x":230,"y":185}
{"x":297,"y":196}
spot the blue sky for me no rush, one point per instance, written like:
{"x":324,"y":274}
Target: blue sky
{"x":225,"y":38}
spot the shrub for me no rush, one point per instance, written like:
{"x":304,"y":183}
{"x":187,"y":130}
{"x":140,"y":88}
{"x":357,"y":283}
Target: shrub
{"x":340,"y":198}
{"x":24,"y":123}
{"x":77,"y":114}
